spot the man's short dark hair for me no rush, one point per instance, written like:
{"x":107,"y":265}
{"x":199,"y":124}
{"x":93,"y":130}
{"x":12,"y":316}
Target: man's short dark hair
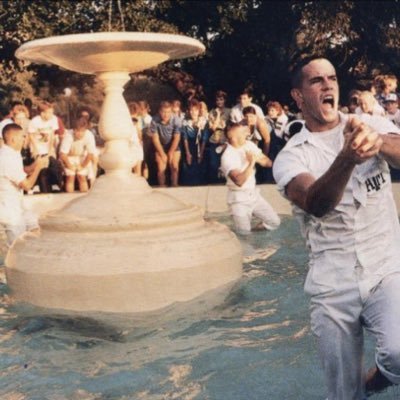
{"x":296,"y":70}
{"x":221,"y":94}
{"x":9,"y":128}
{"x":249,"y":110}
{"x":233,"y":125}
{"x":247,"y":91}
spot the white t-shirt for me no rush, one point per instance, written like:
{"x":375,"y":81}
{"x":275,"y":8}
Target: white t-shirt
{"x":42,"y":132}
{"x":237,"y":112}
{"x":79,"y":148}
{"x":11,"y":196}
{"x":235,"y":159}
{"x":363,"y":229}
{"x":395,"y":118}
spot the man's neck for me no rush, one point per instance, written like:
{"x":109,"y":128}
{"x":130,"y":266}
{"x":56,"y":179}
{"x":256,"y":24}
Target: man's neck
{"x":314,"y":126}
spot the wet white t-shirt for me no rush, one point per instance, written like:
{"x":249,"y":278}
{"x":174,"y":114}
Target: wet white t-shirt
{"x":235,"y":159}
{"x":363,"y":230}
{"x":11,"y":196}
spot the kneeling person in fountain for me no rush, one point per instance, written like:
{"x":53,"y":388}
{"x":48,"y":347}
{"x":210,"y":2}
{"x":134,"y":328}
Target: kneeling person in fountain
{"x":77,"y":152}
{"x":14,"y":218}
{"x":244,"y":198}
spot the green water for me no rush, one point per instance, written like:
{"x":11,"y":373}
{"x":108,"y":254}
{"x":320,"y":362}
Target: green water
{"x":256,"y":345}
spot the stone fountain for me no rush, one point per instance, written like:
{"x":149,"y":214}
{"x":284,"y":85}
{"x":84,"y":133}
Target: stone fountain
{"x":123,"y":247}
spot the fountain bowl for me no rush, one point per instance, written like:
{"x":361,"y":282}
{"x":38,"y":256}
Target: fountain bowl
{"x":91,"y":53}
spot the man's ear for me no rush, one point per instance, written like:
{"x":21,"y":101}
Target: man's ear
{"x":297,"y":97}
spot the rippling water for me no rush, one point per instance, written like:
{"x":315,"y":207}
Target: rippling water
{"x":255,"y":345}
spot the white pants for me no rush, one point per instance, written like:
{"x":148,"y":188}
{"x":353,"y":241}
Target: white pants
{"x":76,"y":162}
{"x":337,"y":321}
{"x":244,"y":204}
{"x":27,"y":222}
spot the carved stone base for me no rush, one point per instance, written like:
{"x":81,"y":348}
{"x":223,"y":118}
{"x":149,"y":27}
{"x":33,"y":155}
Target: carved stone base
{"x":122,"y":248}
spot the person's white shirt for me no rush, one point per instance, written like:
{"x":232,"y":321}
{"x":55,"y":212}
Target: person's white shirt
{"x":395,"y":118}
{"x":78,"y":148}
{"x":3,"y":123}
{"x":364,"y":220}
{"x":11,"y":196}
{"x":237,"y":112}
{"x":234,"y":158}
{"x":41,"y":132}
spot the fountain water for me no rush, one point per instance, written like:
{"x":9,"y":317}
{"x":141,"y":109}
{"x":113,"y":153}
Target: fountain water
{"x":123,"y":247}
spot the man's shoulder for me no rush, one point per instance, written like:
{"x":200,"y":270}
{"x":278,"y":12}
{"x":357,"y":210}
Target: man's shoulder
{"x":9,"y":155}
{"x":250,"y":146}
{"x":89,"y":135}
{"x":228,"y":152}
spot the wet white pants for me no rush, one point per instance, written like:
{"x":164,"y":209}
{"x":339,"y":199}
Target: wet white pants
{"x":247,"y":203}
{"x":338,"y":319}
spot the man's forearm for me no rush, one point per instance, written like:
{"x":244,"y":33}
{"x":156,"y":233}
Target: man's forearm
{"x":327,"y":191}
{"x":30,"y":181}
{"x":390,"y":149}
{"x":240,"y":178}
{"x":264,"y":161}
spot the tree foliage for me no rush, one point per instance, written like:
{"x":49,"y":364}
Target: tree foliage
{"x":249,"y":42}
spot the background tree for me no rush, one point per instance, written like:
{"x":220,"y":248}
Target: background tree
{"x":249,"y":42}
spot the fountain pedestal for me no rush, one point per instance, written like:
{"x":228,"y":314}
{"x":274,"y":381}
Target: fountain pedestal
{"x":123,"y":247}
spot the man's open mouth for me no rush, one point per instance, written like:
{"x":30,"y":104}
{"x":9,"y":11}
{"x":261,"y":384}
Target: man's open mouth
{"x":329,"y":100}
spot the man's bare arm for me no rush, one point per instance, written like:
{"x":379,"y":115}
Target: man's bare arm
{"x":264,"y":161}
{"x":239,"y":178}
{"x":390,"y":149}
{"x":38,"y":165}
{"x":319,"y":196}
{"x":322,"y":195}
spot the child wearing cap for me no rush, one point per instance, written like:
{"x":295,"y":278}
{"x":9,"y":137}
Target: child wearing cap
{"x":391,"y":104}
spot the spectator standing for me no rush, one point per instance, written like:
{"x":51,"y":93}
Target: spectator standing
{"x":148,"y":149}
{"x":93,"y":167}
{"x":77,"y":151}
{"x":276,"y":117}
{"x":203,"y":111}
{"x":136,"y":142}
{"x":41,"y":131}
{"x":245,"y":100}
{"x":388,"y":85}
{"x":258,"y":131}
{"x":260,"y":135}
{"x":392,"y":108}
{"x":218,"y":118}
{"x":177,"y":110}
{"x":21,"y":118}
{"x":353,"y":100}
{"x":194,"y":137}
{"x":165,"y":131}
